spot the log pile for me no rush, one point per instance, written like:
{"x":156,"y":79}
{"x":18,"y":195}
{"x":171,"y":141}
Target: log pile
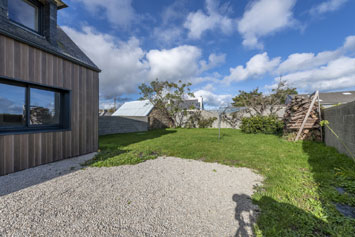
{"x":294,"y":116}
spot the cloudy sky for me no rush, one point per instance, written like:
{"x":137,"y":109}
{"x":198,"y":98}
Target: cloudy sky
{"x":219,"y":46}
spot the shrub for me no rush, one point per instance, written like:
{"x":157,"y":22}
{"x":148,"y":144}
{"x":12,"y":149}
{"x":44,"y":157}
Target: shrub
{"x":262,"y":124}
{"x":206,"y":123}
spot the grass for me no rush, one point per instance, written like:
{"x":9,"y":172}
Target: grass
{"x":298,"y":194}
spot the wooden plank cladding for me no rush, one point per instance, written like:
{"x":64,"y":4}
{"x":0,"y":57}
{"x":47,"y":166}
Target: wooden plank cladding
{"x":22,"y":151}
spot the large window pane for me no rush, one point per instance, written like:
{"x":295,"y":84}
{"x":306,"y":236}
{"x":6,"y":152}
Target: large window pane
{"x":44,"y":107}
{"x":24,"y":13}
{"x":12,"y":105}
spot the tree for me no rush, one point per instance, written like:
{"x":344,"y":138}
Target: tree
{"x":256,"y":103}
{"x":233,"y":119}
{"x":168,"y":98}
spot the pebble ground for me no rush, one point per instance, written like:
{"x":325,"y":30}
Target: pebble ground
{"x":163,"y":197}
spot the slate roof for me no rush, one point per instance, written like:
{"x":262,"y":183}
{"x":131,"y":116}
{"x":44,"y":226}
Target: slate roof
{"x":66,"y":47}
{"x":135,"y":108}
{"x":332,"y":98}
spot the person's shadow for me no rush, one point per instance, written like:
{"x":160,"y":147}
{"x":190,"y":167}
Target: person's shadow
{"x":245,"y":214}
{"x":286,"y":223}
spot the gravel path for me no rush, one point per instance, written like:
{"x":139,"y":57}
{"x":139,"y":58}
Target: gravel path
{"x":162,"y":197}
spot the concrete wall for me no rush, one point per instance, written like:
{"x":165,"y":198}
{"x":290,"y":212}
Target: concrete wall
{"x":118,"y":124}
{"x":224,"y":124}
{"x":342,"y":120}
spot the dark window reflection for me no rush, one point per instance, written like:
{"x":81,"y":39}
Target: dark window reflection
{"x":24,"y":13}
{"x":44,"y":107}
{"x":12,"y":105}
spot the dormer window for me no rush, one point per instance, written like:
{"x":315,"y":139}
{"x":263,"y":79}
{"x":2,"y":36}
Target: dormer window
{"x":24,"y":12}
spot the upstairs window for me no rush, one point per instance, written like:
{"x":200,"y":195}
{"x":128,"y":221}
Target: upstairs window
{"x":24,"y":12}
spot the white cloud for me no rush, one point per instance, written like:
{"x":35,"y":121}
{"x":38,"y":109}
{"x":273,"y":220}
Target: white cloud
{"x":180,"y":63}
{"x":118,"y":12}
{"x":258,"y":65}
{"x":167,"y":35}
{"x":327,"y":6}
{"x":122,"y":63}
{"x":169,"y":32}
{"x":336,"y":74}
{"x":265,"y":17}
{"x":349,"y":44}
{"x":125,"y":65}
{"x":328,"y":70}
{"x":213,"y":61}
{"x":212,"y":100}
{"x":305,"y":61}
{"x":199,"y":22}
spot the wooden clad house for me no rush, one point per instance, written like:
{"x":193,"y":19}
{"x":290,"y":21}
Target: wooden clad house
{"x":49,"y":89}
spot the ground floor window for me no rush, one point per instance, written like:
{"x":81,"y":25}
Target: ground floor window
{"x":31,"y":107}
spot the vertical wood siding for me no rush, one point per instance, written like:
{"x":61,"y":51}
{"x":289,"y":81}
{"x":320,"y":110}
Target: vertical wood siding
{"x":18,"y":152}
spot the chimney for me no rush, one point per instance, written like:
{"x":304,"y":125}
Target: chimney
{"x":200,"y":100}
{"x":3,"y":8}
{"x":50,"y":21}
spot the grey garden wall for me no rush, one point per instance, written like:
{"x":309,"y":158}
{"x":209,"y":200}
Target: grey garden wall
{"x":342,"y":120}
{"x":118,"y":124}
{"x":213,"y":113}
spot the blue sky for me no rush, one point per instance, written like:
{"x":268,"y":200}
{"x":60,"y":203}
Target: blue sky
{"x":221,"y":47}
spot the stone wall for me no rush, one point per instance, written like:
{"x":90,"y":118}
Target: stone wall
{"x":157,"y":120}
{"x":342,"y":120}
{"x":224,"y":124}
{"x":118,"y":124}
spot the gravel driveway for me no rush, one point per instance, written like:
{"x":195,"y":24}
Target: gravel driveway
{"x":162,"y":197}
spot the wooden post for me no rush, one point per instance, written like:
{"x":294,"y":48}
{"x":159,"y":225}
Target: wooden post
{"x":320,"y":118}
{"x":307,"y":115}
{"x":219,"y":126}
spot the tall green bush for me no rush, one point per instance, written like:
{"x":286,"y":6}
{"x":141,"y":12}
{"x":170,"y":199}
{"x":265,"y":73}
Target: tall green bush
{"x":262,"y":124}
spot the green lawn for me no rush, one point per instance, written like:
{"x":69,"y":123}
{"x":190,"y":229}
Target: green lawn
{"x":298,"y":193}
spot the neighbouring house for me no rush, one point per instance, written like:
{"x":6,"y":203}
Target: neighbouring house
{"x":196,"y":104}
{"x":49,"y":89}
{"x":329,"y":99}
{"x":143,"y":108}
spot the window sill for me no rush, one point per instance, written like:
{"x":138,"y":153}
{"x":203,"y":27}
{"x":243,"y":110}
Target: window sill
{"x":27,"y":29}
{"x":33,"y":131}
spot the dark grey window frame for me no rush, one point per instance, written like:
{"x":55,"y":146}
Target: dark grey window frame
{"x":65,"y":109}
{"x":39,"y":6}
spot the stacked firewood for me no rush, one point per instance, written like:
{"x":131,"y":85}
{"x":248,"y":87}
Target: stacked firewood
{"x":296,"y":112}
{"x":39,"y":115}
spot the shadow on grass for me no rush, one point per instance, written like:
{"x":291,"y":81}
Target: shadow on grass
{"x":126,"y":139}
{"x":333,"y":170}
{"x":113,"y":148}
{"x":289,"y":221}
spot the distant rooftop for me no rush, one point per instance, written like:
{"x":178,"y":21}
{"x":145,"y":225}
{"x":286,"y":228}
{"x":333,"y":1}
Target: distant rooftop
{"x":332,"y":98}
{"x":135,"y":108}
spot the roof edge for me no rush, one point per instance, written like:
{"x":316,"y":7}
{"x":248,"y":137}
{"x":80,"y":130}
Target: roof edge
{"x":76,"y":61}
{"x":60,"y":4}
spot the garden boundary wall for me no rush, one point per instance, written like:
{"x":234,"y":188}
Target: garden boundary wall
{"x":118,"y":124}
{"x":206,"y":114}
{"x":342,"y":120}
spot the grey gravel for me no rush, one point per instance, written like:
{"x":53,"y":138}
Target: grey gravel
{"x":162,"y":197}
